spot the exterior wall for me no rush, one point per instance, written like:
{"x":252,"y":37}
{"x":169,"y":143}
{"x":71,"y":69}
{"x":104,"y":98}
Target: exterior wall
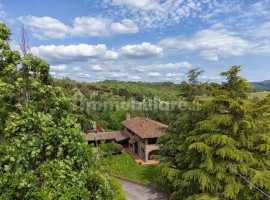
{"x":143,"y":147}
{"x":149,"y":148}
{"x":133,"y":136}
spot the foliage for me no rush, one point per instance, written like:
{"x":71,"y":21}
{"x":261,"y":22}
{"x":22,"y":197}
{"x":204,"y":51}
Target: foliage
{"x":111,"y":148}
{"x":193,"y":88}
{"x":200,"y":158}
{"x":124,"y":93}
{"x":43,"y":153}
{"x":119,"y":192}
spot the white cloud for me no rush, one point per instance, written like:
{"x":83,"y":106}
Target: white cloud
{"x":14,"y":45}
{"x":53,"y":73}
{"x":111,"y":55}
{"x":153,"y":74}
{"x":211,"y":43}
{"x":158,"y":13}
{"x":120,"y":75}
{"x":212,"y":55}
{"x":83,"y":75}
{"x":80,"y":52}
{"x":97,"y":68}
{"x":260,"y":8}
{"x":170,"y":75}
{"x":45,"y":26}
{"x":3,"y":13}
{"x":4,"y":16}
{"x":58,"y":67}
{"x":168,"y":66}
{"x":126,"y":26}
{"x":211,"y":78}
{"x":117,"y":75}
{"x":62,"y":75}
{"x":261,"y":30}
{"x":144,"y":50}
{"x":173,"y":79}
{"x":142,"y":4}
{"x":48,"y":27}
{"x":77,"y":69}
{"x":90,"y":26}
{"x":134,"y":77}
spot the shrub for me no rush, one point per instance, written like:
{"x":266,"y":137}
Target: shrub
{"x":119,"y":192}
{"x":111,"y":148}
{"x":118,"y":148}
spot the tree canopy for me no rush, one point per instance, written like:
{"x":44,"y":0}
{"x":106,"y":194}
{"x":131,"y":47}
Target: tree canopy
{"x":43,"y":152}
{"x":225,"y":145}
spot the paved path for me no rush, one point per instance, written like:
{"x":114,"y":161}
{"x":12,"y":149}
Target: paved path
{"x":138,"y":192}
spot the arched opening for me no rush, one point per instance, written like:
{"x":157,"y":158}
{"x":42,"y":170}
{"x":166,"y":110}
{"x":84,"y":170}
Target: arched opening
{"x":151,"y":154}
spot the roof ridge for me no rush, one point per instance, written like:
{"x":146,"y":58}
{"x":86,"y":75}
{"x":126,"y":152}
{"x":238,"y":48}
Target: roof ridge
{"x":155,"y":122}
{"x":149,"y":120}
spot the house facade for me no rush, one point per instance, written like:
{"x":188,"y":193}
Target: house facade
{"x":139,"y":135}
{"x":143,"y":134}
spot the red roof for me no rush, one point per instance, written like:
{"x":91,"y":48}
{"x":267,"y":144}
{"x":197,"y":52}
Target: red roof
{"x":145,"y":128}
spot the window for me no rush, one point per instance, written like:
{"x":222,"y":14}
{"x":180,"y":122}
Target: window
{"x":152,"y":140}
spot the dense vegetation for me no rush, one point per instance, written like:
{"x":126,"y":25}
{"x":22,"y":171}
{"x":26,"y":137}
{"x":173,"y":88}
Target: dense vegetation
{"x":121,"y":93}
{"x":215,"y":143}
{"x":218,"y":150}
{"x":43,"y":152}
{"x":138,"y":92}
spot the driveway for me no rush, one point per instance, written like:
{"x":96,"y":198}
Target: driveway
{"x":135,"y":191}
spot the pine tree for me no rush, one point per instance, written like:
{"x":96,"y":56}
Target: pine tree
{"x":233,"y":140}
{"x":173,"y":149}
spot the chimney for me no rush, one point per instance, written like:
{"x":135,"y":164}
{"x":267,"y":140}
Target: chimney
{"x":95,"y":126}
{"x":127,"y":116}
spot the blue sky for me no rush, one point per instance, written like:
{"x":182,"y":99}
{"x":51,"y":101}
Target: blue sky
{"x":144,"y":40}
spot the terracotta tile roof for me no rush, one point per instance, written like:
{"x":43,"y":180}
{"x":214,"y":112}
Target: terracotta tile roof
{"x":133,"y":140}
{"x":120,"y":136}
{"x":145,"y":128}
{"x":117,"y":136}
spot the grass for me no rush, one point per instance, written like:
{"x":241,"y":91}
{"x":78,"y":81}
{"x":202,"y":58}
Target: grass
{"x":259,"y":95}
{"x":124,"y":165}
{"x":119,"y":192}
{"x":252,"y":96}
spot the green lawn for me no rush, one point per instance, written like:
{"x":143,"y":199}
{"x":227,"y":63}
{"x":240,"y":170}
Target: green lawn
{"x":259,"y":95}
{"x":124,"y":165}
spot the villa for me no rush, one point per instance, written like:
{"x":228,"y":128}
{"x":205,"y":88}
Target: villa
{"x":139,"y":136}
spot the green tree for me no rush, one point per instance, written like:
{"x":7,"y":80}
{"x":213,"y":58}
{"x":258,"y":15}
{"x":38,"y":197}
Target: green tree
{"x":193,"y":87}
{"x":43,"y":153}
{"x":233,"y":139}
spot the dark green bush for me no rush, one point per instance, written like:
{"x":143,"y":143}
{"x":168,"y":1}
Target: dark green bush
{"x":118,"y":148}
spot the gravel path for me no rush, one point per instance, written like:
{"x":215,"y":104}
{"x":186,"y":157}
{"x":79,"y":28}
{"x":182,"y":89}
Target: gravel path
{"x":138,"y":192}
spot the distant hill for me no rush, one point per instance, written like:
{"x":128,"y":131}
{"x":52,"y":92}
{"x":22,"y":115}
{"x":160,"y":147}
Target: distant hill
{"x":263,"y":85}
{"x":117,"y":90}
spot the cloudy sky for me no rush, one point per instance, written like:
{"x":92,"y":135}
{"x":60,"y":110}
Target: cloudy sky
{"x":144,"y":40}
